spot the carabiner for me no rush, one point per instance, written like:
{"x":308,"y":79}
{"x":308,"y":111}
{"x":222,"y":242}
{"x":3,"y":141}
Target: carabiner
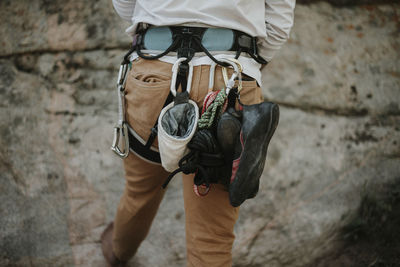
{"x":239,"y":75}
{"x":118,"y":131}
{"x":121,"y":129}
{"x":123,"y":69}
{"x":236,"y":73}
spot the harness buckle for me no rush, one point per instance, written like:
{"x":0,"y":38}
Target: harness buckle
{"x":187,"y":31}
{"x":183,"y":68}
{"x":245,"y":41}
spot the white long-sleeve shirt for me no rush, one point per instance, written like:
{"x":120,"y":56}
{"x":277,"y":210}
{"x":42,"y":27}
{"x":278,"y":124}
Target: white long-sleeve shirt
{"x":268,"y":20}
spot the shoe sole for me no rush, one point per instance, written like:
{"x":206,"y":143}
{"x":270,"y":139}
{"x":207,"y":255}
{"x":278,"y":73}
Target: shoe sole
{"x":246,"y":182}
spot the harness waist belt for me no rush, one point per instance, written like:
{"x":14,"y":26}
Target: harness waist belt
{"x":188,"y":40}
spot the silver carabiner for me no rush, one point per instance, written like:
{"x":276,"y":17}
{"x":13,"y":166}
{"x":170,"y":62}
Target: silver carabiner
{"x":237,"y":71}
{"x":123,"y":69}
{"x":239,"y":76}
{"x":121,"y":129}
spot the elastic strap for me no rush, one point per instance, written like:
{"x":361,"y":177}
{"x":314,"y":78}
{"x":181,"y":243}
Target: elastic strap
{"x":169,"y":49}
{"x":141,"y":149}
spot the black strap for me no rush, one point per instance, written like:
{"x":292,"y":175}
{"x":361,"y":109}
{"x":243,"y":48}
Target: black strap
{"x":248,"y":44}
{"x":181,"y":78}
{"x":142,"y":150}
{"x":198,"y":41}
{"x":126,"y":57}
{"x":232,"y":97}
{"x":154,"y":130}
{"x":152,"y":136}
{"x":139,"y":47}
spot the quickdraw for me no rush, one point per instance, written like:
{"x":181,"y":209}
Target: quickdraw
{"x":121,"y":129}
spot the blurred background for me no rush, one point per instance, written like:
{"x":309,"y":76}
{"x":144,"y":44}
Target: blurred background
{"x":330,"y":191}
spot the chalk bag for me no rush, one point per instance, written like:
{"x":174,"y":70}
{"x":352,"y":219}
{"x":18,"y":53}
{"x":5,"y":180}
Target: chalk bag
{"x":177,"y":122}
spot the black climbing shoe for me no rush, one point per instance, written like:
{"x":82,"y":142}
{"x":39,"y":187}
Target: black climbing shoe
{"x":258,"y":125}
{"x":228,"y":132}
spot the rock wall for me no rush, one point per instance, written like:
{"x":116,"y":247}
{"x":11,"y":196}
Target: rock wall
{"x":338,"y":84}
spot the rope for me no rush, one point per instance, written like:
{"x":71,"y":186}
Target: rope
{"x":213,"y":111}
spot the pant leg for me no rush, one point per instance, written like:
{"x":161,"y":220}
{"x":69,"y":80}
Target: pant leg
{"x":138,"y":206}
{"x":147,"y":88}
{"x":210,"y":220}
{"x":209,"y":226}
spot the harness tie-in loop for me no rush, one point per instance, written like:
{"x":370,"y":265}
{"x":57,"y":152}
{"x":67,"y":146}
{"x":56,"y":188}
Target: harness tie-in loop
{"x":175,"y":73}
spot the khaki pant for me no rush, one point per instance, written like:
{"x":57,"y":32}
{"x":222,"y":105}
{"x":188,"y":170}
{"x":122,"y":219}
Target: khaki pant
{"x":209,"y":220}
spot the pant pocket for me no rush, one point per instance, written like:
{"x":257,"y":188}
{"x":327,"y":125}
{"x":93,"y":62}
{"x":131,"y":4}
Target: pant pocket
{"x":147,"y":88}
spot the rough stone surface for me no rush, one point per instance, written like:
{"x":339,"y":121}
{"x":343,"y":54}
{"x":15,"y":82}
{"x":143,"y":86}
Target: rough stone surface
{"x":338,"y":84}
{"x":58,"y":25}
{"x":345,"y":61}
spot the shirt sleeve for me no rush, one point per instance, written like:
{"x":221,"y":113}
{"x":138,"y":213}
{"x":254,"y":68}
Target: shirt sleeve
{"x":124,"y":8}
{"x":278,"y":22}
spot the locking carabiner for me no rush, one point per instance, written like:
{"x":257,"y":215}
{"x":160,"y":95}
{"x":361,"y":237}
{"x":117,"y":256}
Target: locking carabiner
{"x":121,"y":129}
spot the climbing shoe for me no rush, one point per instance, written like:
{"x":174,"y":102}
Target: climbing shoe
{"x":228,"y":133}
{"x":259,"y":122}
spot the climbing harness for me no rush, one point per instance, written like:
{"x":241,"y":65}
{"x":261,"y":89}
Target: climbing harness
{"x":219,"y":146}
{"x":186,"y":41}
